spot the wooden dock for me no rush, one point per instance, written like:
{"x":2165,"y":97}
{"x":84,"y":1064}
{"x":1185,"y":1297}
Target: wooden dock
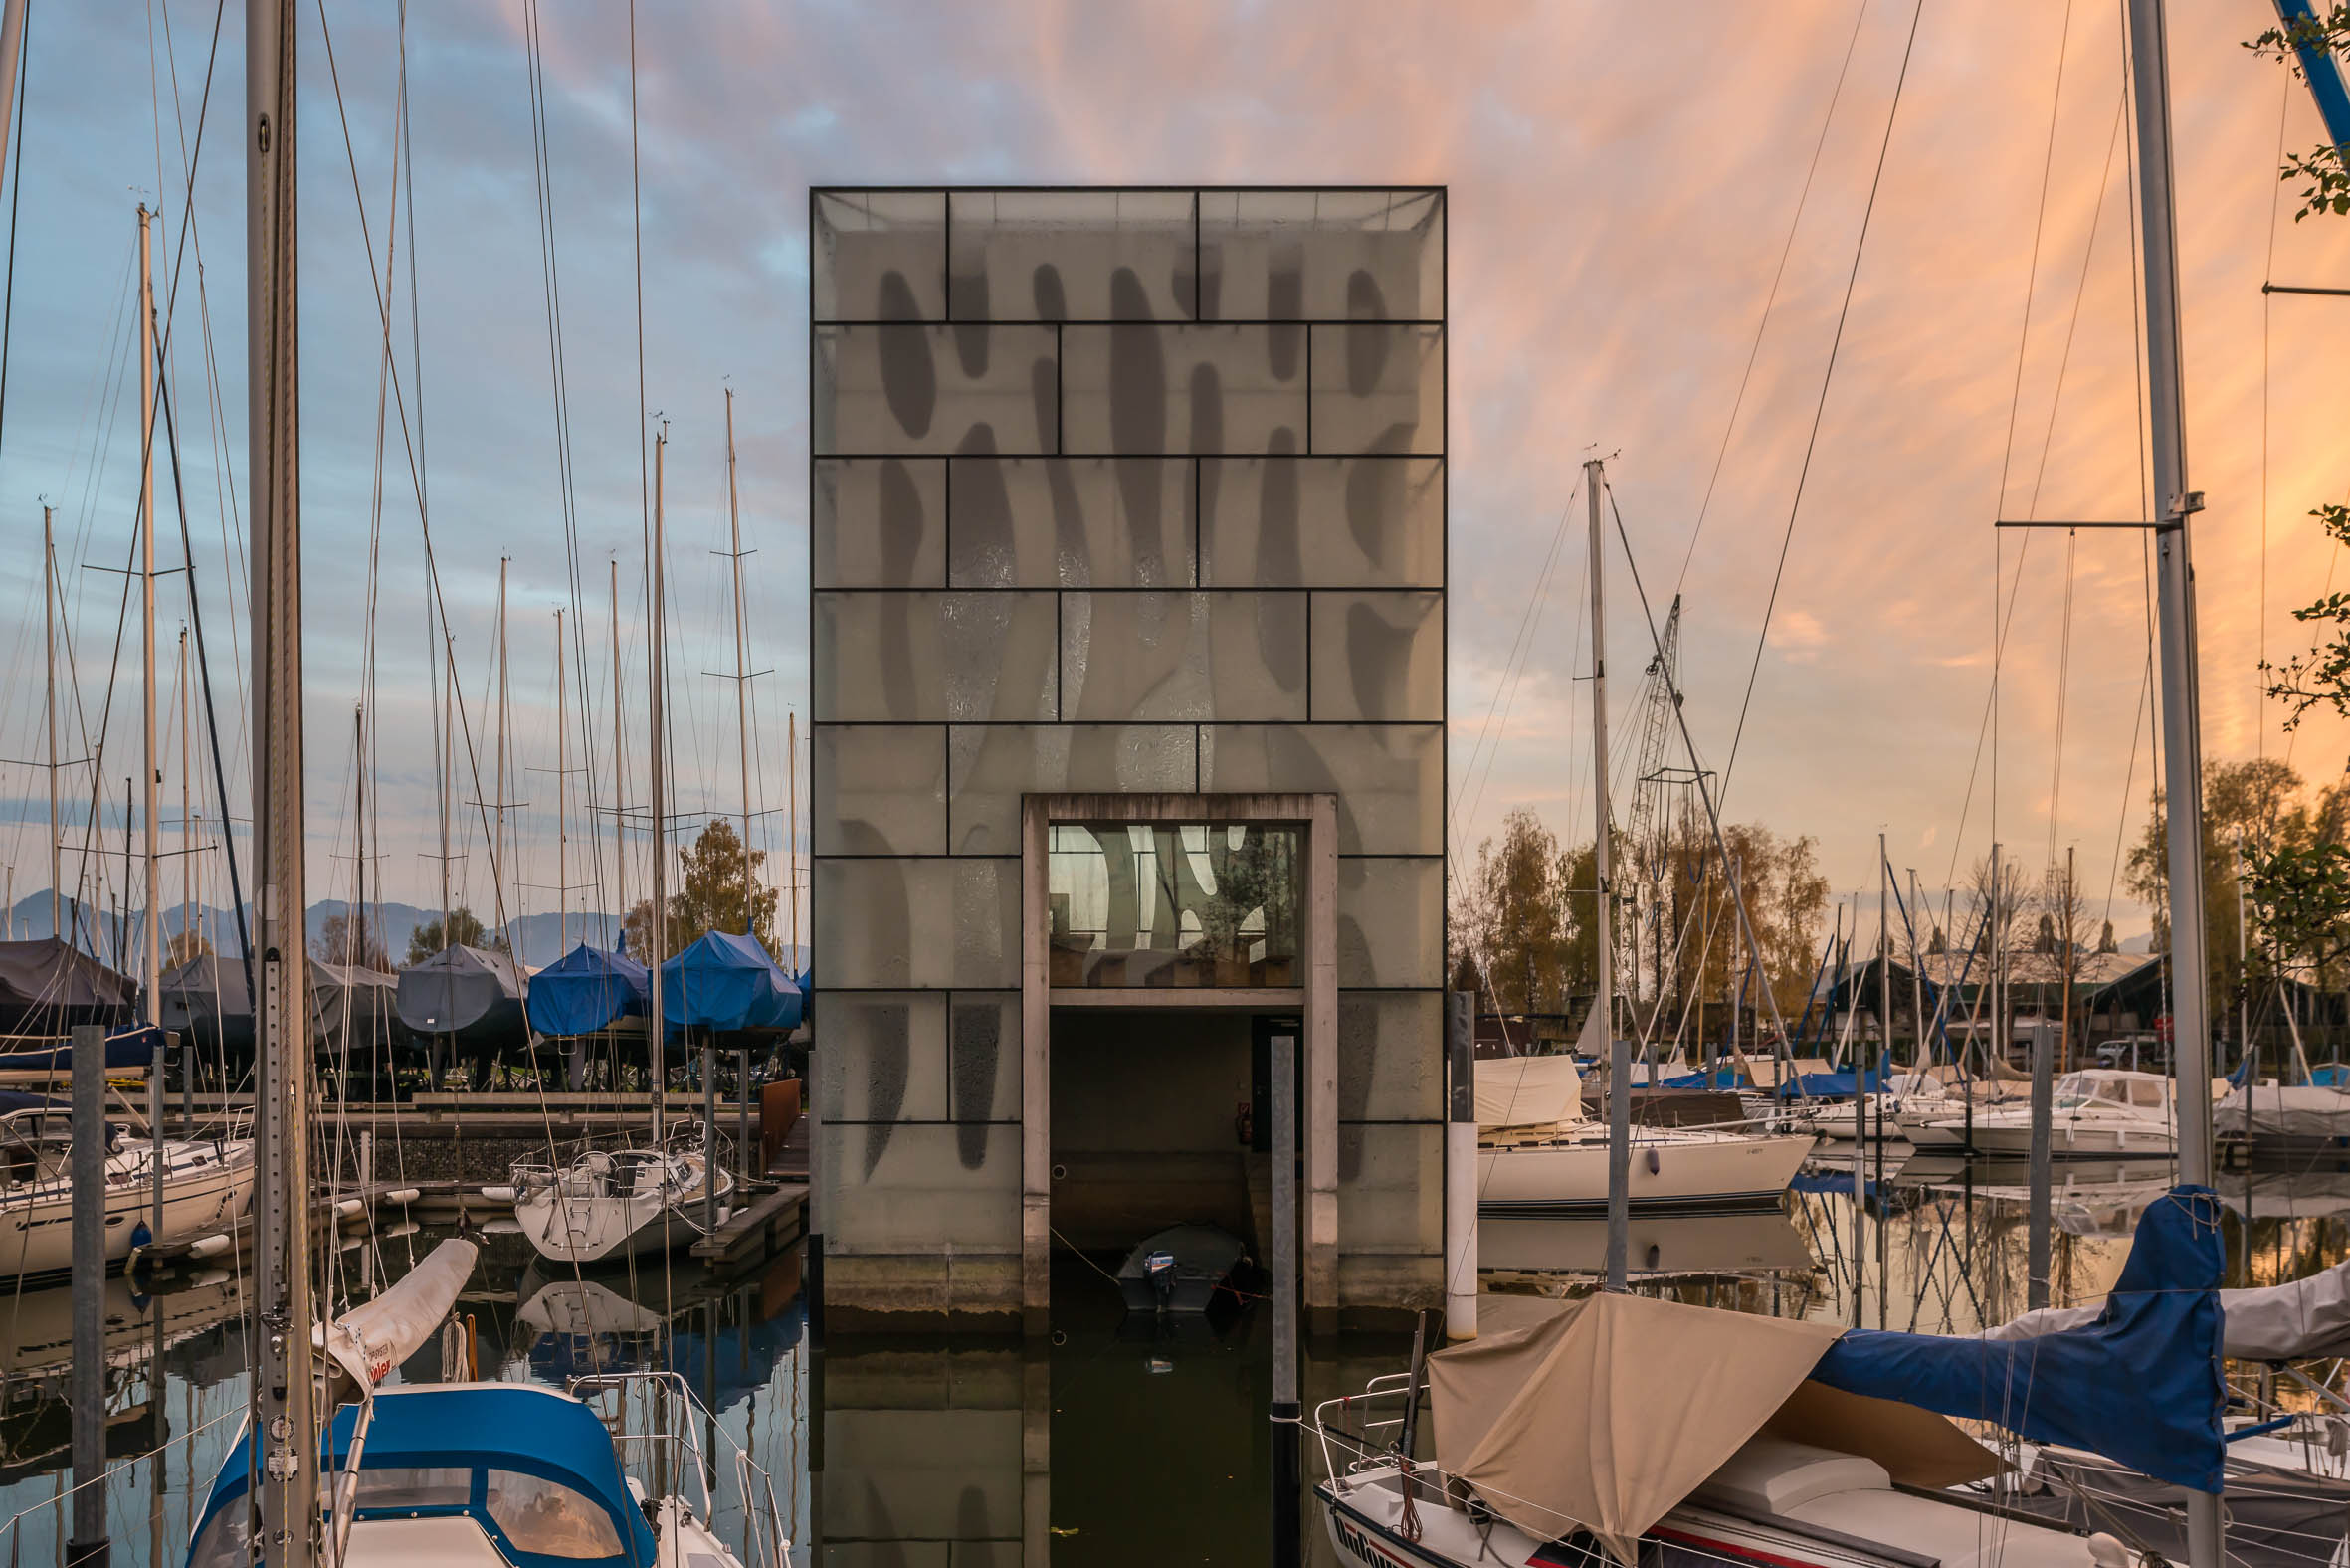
{"x":768,"y":1223}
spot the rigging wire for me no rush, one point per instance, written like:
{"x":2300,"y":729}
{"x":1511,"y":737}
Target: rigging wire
{"x":1820,"y":409}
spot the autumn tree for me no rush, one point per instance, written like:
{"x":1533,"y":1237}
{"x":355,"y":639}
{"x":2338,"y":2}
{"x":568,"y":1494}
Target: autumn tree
{"x":348,"y":936}
{"x":183,"y":946}
{"x":465,"y":930}
{"x":1510,"y":918}
{"x":711,"y":883}
{"x":2255,"y":805}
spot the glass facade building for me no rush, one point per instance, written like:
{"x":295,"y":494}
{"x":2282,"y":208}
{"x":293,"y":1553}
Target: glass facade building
{"x":1127,"y":554}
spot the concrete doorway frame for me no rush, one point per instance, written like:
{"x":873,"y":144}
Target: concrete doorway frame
{"x":1317,"y":1000}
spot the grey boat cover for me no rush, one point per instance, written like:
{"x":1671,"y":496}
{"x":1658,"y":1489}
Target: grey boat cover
{"x":2277,"y":1323}
{"x":48,"y":984}
{"x":2284,"y":1110}
{"x":348,"y":1003}
{"x":459,"y":988}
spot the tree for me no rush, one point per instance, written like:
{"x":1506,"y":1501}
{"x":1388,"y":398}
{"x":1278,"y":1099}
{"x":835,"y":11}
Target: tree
{"x":710,"y":896}
{"x":183,"y":946}
{"x":465,"y":930}
{"x":349,"y":937}
{"x":2327,"y":187}
{"x":1510,"y":919}
{"x":2254,"y":804}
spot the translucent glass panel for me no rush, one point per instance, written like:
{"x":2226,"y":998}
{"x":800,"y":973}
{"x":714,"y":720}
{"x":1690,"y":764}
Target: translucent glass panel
{"x":907,"y":1188}
{"x":1141,"y":390}
{"x":1181,"y":905}
{"x":989,"y":767}
{"x":1389,"y":778}
{"x":890,"y":924}
{"x":1391,"y":1189}
{"x":1391,"y":929}
{"x":1379,"y":656}
{"x":934,"y":389}
{"x":884,"y":1057}
{"x":930,"y":657}
{"x":1073,"y":255}
{"x":1322,"y":522}
{"x":1391,"y":1056}
{"x":983,"y":1057}
{"x":1171,"y":657}
{"x":881,"y":523}
{"x":1072,"y":523}
{"x":879,"y":790}
{"x":1377,"y":388}
{"x":1327,"y":256}
{"x":879,"y":256}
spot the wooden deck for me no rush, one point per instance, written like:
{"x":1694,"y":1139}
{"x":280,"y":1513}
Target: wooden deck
{"x":768,"y":1223}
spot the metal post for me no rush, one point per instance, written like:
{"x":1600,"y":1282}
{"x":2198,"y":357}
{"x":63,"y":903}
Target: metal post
{"x":2175,"y":601}
{"x":743,"y":1124}
{"x":710,"y":1138}
{"x":88,"y":1546}
{"x":2043,"y":1109}
{"x":150,"y":971}
{"x":1603,"y":924}
{"x":657,"y":925}
{"x":285,"y":1431}
{"x":1460,"y":1242}
{"x":1286,"y":1540}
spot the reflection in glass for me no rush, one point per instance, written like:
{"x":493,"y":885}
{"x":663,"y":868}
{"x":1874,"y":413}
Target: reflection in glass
{"x":1185,"y":905}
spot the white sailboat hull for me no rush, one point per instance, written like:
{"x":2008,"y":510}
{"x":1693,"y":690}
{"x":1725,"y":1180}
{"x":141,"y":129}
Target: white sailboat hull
{"x":2068,"y":1137}
{"x":1686,"y":1171}
{"x":204,"y":1188}
{"x":581,"y":1215}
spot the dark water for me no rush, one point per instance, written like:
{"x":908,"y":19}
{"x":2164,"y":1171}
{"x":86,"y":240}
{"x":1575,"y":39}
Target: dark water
{"x":739,"y":1341}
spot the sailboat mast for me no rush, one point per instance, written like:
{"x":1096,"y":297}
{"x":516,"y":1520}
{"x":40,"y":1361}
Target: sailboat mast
{"x":187,"y":837}
{"x":562,"y":762}
{"x":657,"y":926}
{"x":2182,"y":748}
{"x":283,"y":1423}
{"x":620,"y":828}
{"x":56,"y":925}
{"x":791,"y":827}
{"x":742,"y":719}
{"x":1604,"y":944}
{"x":500,"y":871}
{"x":150,"y":971}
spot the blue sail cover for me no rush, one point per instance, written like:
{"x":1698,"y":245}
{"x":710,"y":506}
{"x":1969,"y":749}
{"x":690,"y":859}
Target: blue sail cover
{"x":586,"y":989}
{"x":1829,"y":1085}
{"x":2141,"y":1385}
{"x":726,"y":981}
{"x":125,"y":1048}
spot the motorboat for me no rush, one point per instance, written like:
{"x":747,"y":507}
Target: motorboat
{"x":2097,"y":1111}
{"x":1906,"y":1097}
{"x":2285,"y":1115}
{"x":1817,"y":1447}
{"x":205,"y":1184}
{"x":1536,"y":1151}
{"x":611,"y":1204}
{"x":1179,"y":1268}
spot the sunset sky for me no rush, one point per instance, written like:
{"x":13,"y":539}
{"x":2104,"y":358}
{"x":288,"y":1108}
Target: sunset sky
{"x":1620,"y":196}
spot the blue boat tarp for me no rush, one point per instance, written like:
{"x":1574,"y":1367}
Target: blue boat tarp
{"x":125,"y":1048}
{"x":2140,"y":1384}
{"x":725,"y":981}
{"x":1719,"y":1079}
{"x":473,"y":1438}
{"x":587,"y":989}
{"x":1828,"y":1086}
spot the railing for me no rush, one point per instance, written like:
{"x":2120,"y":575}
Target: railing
{"x":670,"y":1436}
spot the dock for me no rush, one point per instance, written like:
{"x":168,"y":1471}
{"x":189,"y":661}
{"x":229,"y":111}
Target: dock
{"x":767,"y":1223}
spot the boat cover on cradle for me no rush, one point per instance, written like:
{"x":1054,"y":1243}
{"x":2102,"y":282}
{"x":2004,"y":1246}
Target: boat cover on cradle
{"x":1829,"y":1085}
{"x":1524,"y":1091}
{"x":48,"y":985}
{"x":349,"y":1003}
{"x":2140,"y":1382}
{"x":458,"y":988}
{"x":494,"y":1436}
{"x":2284,"y":1110}
{"x":586,"y":990}
{"x":726,"y":981}
{"x":125,"y":1048}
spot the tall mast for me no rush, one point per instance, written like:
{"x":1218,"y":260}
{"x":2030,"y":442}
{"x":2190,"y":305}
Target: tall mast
{"x":657,"y":927}
{"x":49,"y":712}
{"x":187,"y":837}
{"x":444,"y":745}
{"x":150,"y":970}
{"x":743,"y":677}
{"x":562,"y":762}
{"x":284,"y":1423}
{"x":2182,"y":748}
{"x":791,"y":831}
{"x":500,"y":871}
{"x":620,"y":842}
{"x":1604,"y":945}
{"x":354,"y":946}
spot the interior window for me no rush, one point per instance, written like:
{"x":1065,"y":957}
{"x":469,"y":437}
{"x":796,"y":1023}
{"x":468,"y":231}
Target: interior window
{"x":414,"y":1487}
{"x":2147,"y":1095}
{"x":549,"y":1518}
{"x":224,"y":1543}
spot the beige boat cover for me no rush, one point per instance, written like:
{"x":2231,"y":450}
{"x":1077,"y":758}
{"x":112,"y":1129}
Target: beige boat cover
{"x":1604,"y":1414}
{"x":1527,"y":1092}
{"x":366,"y":1342}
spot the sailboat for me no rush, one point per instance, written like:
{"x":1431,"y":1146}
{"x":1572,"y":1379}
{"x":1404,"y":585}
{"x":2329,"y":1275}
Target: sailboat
{"x":332,"y":1465}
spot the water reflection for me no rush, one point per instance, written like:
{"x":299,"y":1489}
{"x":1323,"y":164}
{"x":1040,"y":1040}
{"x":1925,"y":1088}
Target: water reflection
{"x":177,"y":1379}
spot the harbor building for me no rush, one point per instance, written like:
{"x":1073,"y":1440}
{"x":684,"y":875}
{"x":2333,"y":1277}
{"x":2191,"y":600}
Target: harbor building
{"x":1127,"y":652}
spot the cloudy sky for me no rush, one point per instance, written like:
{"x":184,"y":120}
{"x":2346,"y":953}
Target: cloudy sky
{"x":1623,"y":197}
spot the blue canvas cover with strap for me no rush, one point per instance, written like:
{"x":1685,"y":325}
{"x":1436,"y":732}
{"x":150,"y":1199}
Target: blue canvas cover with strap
{"x":2140,"y":1385}
{"x":586,"y":989}
{"x":726,"y":981}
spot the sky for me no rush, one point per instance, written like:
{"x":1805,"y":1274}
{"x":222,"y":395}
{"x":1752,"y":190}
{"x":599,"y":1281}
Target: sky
{"x":1662,"y":250}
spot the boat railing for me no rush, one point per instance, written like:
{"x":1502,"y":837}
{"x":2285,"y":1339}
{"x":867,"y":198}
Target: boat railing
{"x":665,"y":1440}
